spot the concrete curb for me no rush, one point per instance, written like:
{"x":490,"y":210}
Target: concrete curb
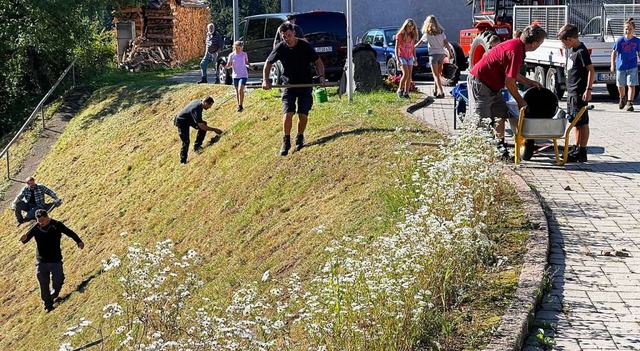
{"x":515,"y":322}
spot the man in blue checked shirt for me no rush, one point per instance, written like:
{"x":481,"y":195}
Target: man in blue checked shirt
{"x":214,"y":43}
{"x":31,"y":198}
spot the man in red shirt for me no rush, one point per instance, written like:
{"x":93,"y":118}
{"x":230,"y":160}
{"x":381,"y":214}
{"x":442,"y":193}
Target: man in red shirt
{"x":498,"y":68}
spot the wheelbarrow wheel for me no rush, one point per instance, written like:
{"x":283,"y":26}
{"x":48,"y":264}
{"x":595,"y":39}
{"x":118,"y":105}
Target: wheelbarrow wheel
{"x":529,"y":145}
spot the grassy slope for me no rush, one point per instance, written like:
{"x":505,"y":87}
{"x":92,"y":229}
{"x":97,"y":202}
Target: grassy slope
{"x":239,"y":204}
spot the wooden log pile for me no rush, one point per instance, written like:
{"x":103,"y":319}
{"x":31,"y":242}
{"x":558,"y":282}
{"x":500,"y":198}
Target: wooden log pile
{"x":168,"y":35}
{"x":190,"y":28}
{"x":140,"y":54}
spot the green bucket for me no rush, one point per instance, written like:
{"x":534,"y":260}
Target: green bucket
{"x":321,"y":95}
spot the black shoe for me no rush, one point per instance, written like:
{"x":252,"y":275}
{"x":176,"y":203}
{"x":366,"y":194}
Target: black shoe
{"x":198,"y":149}
{"x":48,"y":309}
{"x":440,"y":96}
{"x":580,"y":157}
{"x":299,"y":142}
{"x":629,"y":106}
{"x":240,"y":109}
{"x":286,"y":145}
{"x":574,"y":149}
{"x":202,"y":80}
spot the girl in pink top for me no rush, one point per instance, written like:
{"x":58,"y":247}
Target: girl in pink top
{"x":239,"y":60}
{"x":406,"y":55}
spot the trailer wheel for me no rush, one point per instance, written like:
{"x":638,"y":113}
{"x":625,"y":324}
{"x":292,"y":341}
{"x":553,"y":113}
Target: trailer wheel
{"x":539,"y":75}
{"x":459,"y":60}
{"x":552,"y":82}
{"x":479,"y":47}
{"x":612,"y":89}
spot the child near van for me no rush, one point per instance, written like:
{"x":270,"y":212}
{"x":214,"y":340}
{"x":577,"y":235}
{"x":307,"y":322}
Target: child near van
{"x":406,"y":55}
{"x":580,"y":77}
{"x":624,"y":62}
{"x":433,"y":34}
{"x":238,"y":60}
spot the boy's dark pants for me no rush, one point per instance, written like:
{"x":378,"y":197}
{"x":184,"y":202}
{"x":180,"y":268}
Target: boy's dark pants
{"x":183,"y":131}
{"x":574,"y":104}
{"x":49,"y":272}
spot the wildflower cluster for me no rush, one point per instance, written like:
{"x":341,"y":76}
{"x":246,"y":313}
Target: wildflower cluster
{"x":372,"y":293}
{"x":391,"y":82}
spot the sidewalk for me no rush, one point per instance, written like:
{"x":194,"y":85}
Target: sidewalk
{"x":594,"y":302}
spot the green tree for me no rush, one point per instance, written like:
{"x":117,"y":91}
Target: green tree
{"x":38,"y":39}
{"x":222,"y":11}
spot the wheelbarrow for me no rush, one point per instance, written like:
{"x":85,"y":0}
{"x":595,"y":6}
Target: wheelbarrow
{"x":543,"y":119}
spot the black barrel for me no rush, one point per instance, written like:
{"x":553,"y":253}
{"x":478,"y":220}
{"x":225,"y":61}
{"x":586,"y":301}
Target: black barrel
{"x":541,"y":103}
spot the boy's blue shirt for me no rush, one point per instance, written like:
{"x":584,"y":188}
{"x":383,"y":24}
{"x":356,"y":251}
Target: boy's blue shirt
{"x":627,"y":49}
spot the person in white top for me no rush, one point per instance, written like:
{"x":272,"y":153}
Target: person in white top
{"x":433,"y":34}
{"x":239,"y":60}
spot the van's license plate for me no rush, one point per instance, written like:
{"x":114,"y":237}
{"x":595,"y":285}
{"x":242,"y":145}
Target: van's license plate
{"x":324,"y":49}
{"x":606,"y":77}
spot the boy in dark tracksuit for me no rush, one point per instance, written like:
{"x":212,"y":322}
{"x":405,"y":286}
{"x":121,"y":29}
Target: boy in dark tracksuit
{"x":580,"y":77}
{"x":47,"y":233}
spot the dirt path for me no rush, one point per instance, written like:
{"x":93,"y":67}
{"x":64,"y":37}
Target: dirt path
{"x":73,"y":102}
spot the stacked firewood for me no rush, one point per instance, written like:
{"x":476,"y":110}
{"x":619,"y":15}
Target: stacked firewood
{"x":173,"y":32}
{"x":140,"y":55}
{"x":190,"y":28}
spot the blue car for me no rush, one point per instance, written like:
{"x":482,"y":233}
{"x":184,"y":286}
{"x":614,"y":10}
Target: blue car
{"x":382,"y":40}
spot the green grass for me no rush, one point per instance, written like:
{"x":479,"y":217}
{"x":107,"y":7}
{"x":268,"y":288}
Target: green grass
{"x":243,"y":207}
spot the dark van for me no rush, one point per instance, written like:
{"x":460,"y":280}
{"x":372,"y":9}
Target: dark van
{"x":326,"y":31}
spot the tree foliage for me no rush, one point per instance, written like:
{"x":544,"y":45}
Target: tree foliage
{"x":38,"y":40}
{"x":222,"y":11}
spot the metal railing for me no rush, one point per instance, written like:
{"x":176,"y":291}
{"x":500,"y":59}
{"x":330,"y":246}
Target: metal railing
{"x":34,"y":114}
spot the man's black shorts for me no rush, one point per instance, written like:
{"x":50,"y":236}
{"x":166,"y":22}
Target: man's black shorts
{"x":304,"y":97}
{"x":574,"y":104}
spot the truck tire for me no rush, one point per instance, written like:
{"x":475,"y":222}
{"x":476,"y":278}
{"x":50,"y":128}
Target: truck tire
{"x":275,"y":73}
{"x":392,"y":70}
{"x":224,"y":75}
{"x":479,"y":47}
{"x":552,"y":82}
{"x":540,"y":75}
{"x":459,"y":60}
{"x":612,"y":89}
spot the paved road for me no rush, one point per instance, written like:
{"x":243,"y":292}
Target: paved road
{"x":594,"y":302}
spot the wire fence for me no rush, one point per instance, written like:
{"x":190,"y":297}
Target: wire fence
{"x":38,"y":111}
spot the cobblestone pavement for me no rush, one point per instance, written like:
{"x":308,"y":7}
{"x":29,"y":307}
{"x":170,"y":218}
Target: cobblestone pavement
{"x":592,"y":208}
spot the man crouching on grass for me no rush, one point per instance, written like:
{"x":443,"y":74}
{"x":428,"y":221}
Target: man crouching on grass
{"x":47,"y":233}
{"x":191,"y":117}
